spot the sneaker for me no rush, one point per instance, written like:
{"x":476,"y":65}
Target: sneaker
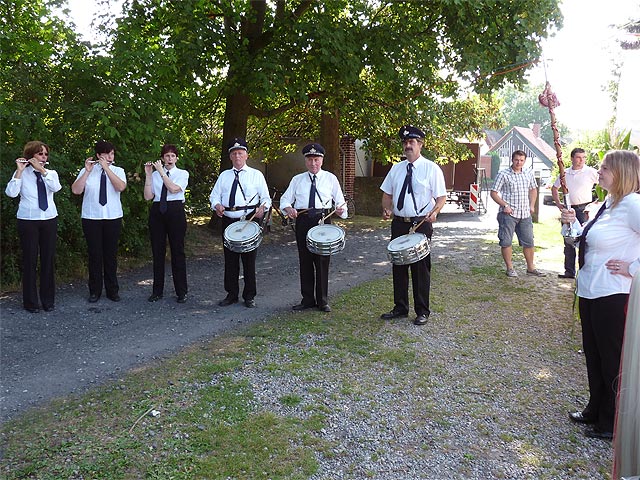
{"x":511,"y":272}
{"x":536,"y":273}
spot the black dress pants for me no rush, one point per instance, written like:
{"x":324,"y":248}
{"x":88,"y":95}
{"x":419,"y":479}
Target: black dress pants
{"x":232,"y":268}
{"x":173,"y":225}
{"x":102,"y":244}
{"x":603,"y":321}
{"x":420,"y":274}
{"x":38,"y":236}
{"x":314,"y":269}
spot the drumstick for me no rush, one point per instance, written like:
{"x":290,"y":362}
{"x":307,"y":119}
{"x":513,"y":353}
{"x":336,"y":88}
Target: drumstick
{"x":321,"y":221}
{"x":254,"y":214}
{"x":415,"y":227}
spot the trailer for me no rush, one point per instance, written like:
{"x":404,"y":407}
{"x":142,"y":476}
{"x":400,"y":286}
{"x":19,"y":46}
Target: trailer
{"x":466,"y":182}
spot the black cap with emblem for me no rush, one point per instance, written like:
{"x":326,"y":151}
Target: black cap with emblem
{"x":409,"y":131}
{"x":237,"y":143}
{"x":313,"y":150}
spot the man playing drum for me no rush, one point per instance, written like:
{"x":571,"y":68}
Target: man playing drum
{"x":239,"y":192}
{"x":414,"y":190}
{"x":308,"y":199}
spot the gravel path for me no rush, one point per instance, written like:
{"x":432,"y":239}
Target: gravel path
{"x":472,"y":431}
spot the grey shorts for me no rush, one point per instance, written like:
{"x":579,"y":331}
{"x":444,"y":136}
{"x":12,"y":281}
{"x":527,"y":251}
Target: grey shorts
{"x":522,"y":227}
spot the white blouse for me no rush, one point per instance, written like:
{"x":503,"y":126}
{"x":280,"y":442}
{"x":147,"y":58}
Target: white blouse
{"x":26,"y":187}
{"x":614,"y":235}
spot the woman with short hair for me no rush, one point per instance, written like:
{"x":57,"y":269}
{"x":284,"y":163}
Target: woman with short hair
{"x":37,"y":224}
{"x":102,"y":182}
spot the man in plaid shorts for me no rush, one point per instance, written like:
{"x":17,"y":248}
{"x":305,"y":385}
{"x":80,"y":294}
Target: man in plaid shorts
{"x":515,"y":190}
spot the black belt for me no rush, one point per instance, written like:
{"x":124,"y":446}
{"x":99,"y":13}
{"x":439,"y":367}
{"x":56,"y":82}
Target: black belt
{"x":409,"y":219}
{"x":316,"y":211}
{"x":244,"y":207}
{"x":581,"y":205}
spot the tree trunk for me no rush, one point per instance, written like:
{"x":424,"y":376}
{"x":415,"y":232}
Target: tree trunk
{"x":330,"y":140}
{"x":236,"y":116}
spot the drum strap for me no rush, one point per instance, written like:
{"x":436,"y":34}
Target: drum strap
{"x":234,"y":188}
{"x":407,"y":187}
{"x":313,"y":192}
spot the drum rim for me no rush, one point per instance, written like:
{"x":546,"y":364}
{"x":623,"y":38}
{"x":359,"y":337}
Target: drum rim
{"x":256,"y":234}
{"x":324,"y":226}
{"x":424,"y":237}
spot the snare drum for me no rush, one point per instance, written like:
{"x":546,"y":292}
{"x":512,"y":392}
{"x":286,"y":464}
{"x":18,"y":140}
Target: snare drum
{"x":242,"y":236}
{"x":325,"y":239}
{"x":409,"y":248}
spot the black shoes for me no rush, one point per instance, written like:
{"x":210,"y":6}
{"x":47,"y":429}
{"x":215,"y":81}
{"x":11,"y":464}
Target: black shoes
{"x":32,"y":309}
{"x":394,"y":314}
{"x":114,"y":297}
{"x":93,"y":298}
{"x":251,"y":303}
{"x":228,"y":300}
{"x":566,"y":275}
{"x":182,"y":298}
{"x":154,"y":297}
{"x":421,"y":320}
{"x":594,"y":432}
{"x":578,"y":417}
{"x":302,"y":306}
{"x":49,"y":308}
{"x":324,"y":308}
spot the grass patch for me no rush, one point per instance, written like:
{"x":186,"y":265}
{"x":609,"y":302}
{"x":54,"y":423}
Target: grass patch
{"x":280,"y":398}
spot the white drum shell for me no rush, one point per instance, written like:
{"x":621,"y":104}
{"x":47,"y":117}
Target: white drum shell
{"x":242,"y":236}
{"x":408,"y":249}
{"x":325,"y":239}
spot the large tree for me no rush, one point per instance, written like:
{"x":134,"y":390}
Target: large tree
{"x":370,"y":65}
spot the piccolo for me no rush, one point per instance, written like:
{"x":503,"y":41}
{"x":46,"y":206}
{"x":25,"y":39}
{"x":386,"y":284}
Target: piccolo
{"x":28,"y":161}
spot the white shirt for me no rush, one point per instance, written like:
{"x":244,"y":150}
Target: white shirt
{"x":91,"y":208}
{"x":254,"y":190}
{"x":614,"y":235}
{"x":176,"y":175}
{"x":427,"y":183}
{"x":580,"y":184}
{"x":327,"y":188}
{"x":27,"y":188}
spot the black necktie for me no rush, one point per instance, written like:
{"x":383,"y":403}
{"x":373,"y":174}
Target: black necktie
{"x":312,"y":193}
{"x":43,"y":203}
{"x":103,"y":189}
{"x":163,"y":197}
{"x":234,"y":189}
{"x":406,"y":187}
{"x":582,"y":247}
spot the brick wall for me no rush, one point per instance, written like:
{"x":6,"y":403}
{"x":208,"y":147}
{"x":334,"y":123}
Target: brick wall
{"x":348,"y":164}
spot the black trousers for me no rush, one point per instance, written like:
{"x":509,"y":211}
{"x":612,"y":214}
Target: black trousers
{"x":603,"y":321}
{"x":102,"y":244}
{"x":569,"y":247}
{"x":232,"y":268}
{"x":314,"y":269}
{"x":420,"y":274}
{"x":38,"y":237}
{"x":173,"y":225}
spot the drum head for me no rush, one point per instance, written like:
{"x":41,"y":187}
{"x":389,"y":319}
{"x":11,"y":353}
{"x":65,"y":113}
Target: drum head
{"x":404,"y":242}
{"x":325,"y":234}
{"x":241,"y":231}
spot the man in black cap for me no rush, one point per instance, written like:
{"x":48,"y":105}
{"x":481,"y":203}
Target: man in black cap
{"x":413,"y":190}
{"x":238,"y":193}
{"x":309,"y":197}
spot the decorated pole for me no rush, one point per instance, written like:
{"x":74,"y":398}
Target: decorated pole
{"x":548,"y":99}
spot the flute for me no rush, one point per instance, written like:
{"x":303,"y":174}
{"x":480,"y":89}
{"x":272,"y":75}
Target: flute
{"x":29,"y":161}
